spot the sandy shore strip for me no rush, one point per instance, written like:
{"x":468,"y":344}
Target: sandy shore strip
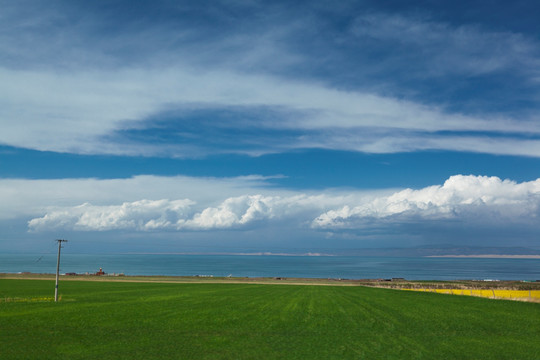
{"x":188,"y":279}
{"x":488,"y":256}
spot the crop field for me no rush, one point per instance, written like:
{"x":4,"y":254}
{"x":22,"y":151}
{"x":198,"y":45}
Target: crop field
{"x":129,"y":320}
{"x":522,"y":295}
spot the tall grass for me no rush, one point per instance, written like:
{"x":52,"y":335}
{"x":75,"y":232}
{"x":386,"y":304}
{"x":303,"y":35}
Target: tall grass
{"x":105,"y":320}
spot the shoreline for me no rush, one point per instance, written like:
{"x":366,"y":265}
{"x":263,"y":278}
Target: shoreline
{"x":487,"y":256}
{"x":394,"y":283}
{"x":186,"y":279}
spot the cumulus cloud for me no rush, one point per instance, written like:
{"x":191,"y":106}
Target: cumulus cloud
{"x":233,"y":212}
{"x":27,"y":197}
{"x":473,"y":199}
{"x":137,"y":215}
{"x":243,"y":210}
{"x":147,"y":215}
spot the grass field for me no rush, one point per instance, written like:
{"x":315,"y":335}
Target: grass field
{"x":128,"y":320}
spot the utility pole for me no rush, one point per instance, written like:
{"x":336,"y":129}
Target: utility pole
{"x":59,"y":241}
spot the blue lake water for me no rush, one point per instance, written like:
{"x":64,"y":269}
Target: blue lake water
{"x":345,"y":267}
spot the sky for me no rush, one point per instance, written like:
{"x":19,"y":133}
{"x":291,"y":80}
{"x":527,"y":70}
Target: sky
{"x":245,"y":125}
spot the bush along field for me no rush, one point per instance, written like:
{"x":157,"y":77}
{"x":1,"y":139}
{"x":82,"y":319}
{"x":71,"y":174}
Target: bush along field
{"x":126,"y":320}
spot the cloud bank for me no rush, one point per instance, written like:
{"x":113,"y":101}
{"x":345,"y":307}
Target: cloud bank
{"x":144,"y":215}
{"x":472,"y":200}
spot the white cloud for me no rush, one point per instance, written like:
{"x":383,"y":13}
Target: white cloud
{"x":472,"y":199}
{"x":25,"y":197}
{"x":232,"y":212}
{"x":145,"y":215}
{"x":393,"y":140}
{"x":78,"y":106}
{"x":137,"y":215}
{"x":247,"y":209}
{"x":475,"y":200}
{"x":79,"y":111}
{"x":207,"y":203}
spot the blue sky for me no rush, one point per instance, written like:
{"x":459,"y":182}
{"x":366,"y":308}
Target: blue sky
{"x":253,"y":125}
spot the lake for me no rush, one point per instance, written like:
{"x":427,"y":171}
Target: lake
{"x":344,"y":267}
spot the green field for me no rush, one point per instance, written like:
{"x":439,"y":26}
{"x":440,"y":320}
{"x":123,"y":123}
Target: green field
{"x":121,"y":320}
